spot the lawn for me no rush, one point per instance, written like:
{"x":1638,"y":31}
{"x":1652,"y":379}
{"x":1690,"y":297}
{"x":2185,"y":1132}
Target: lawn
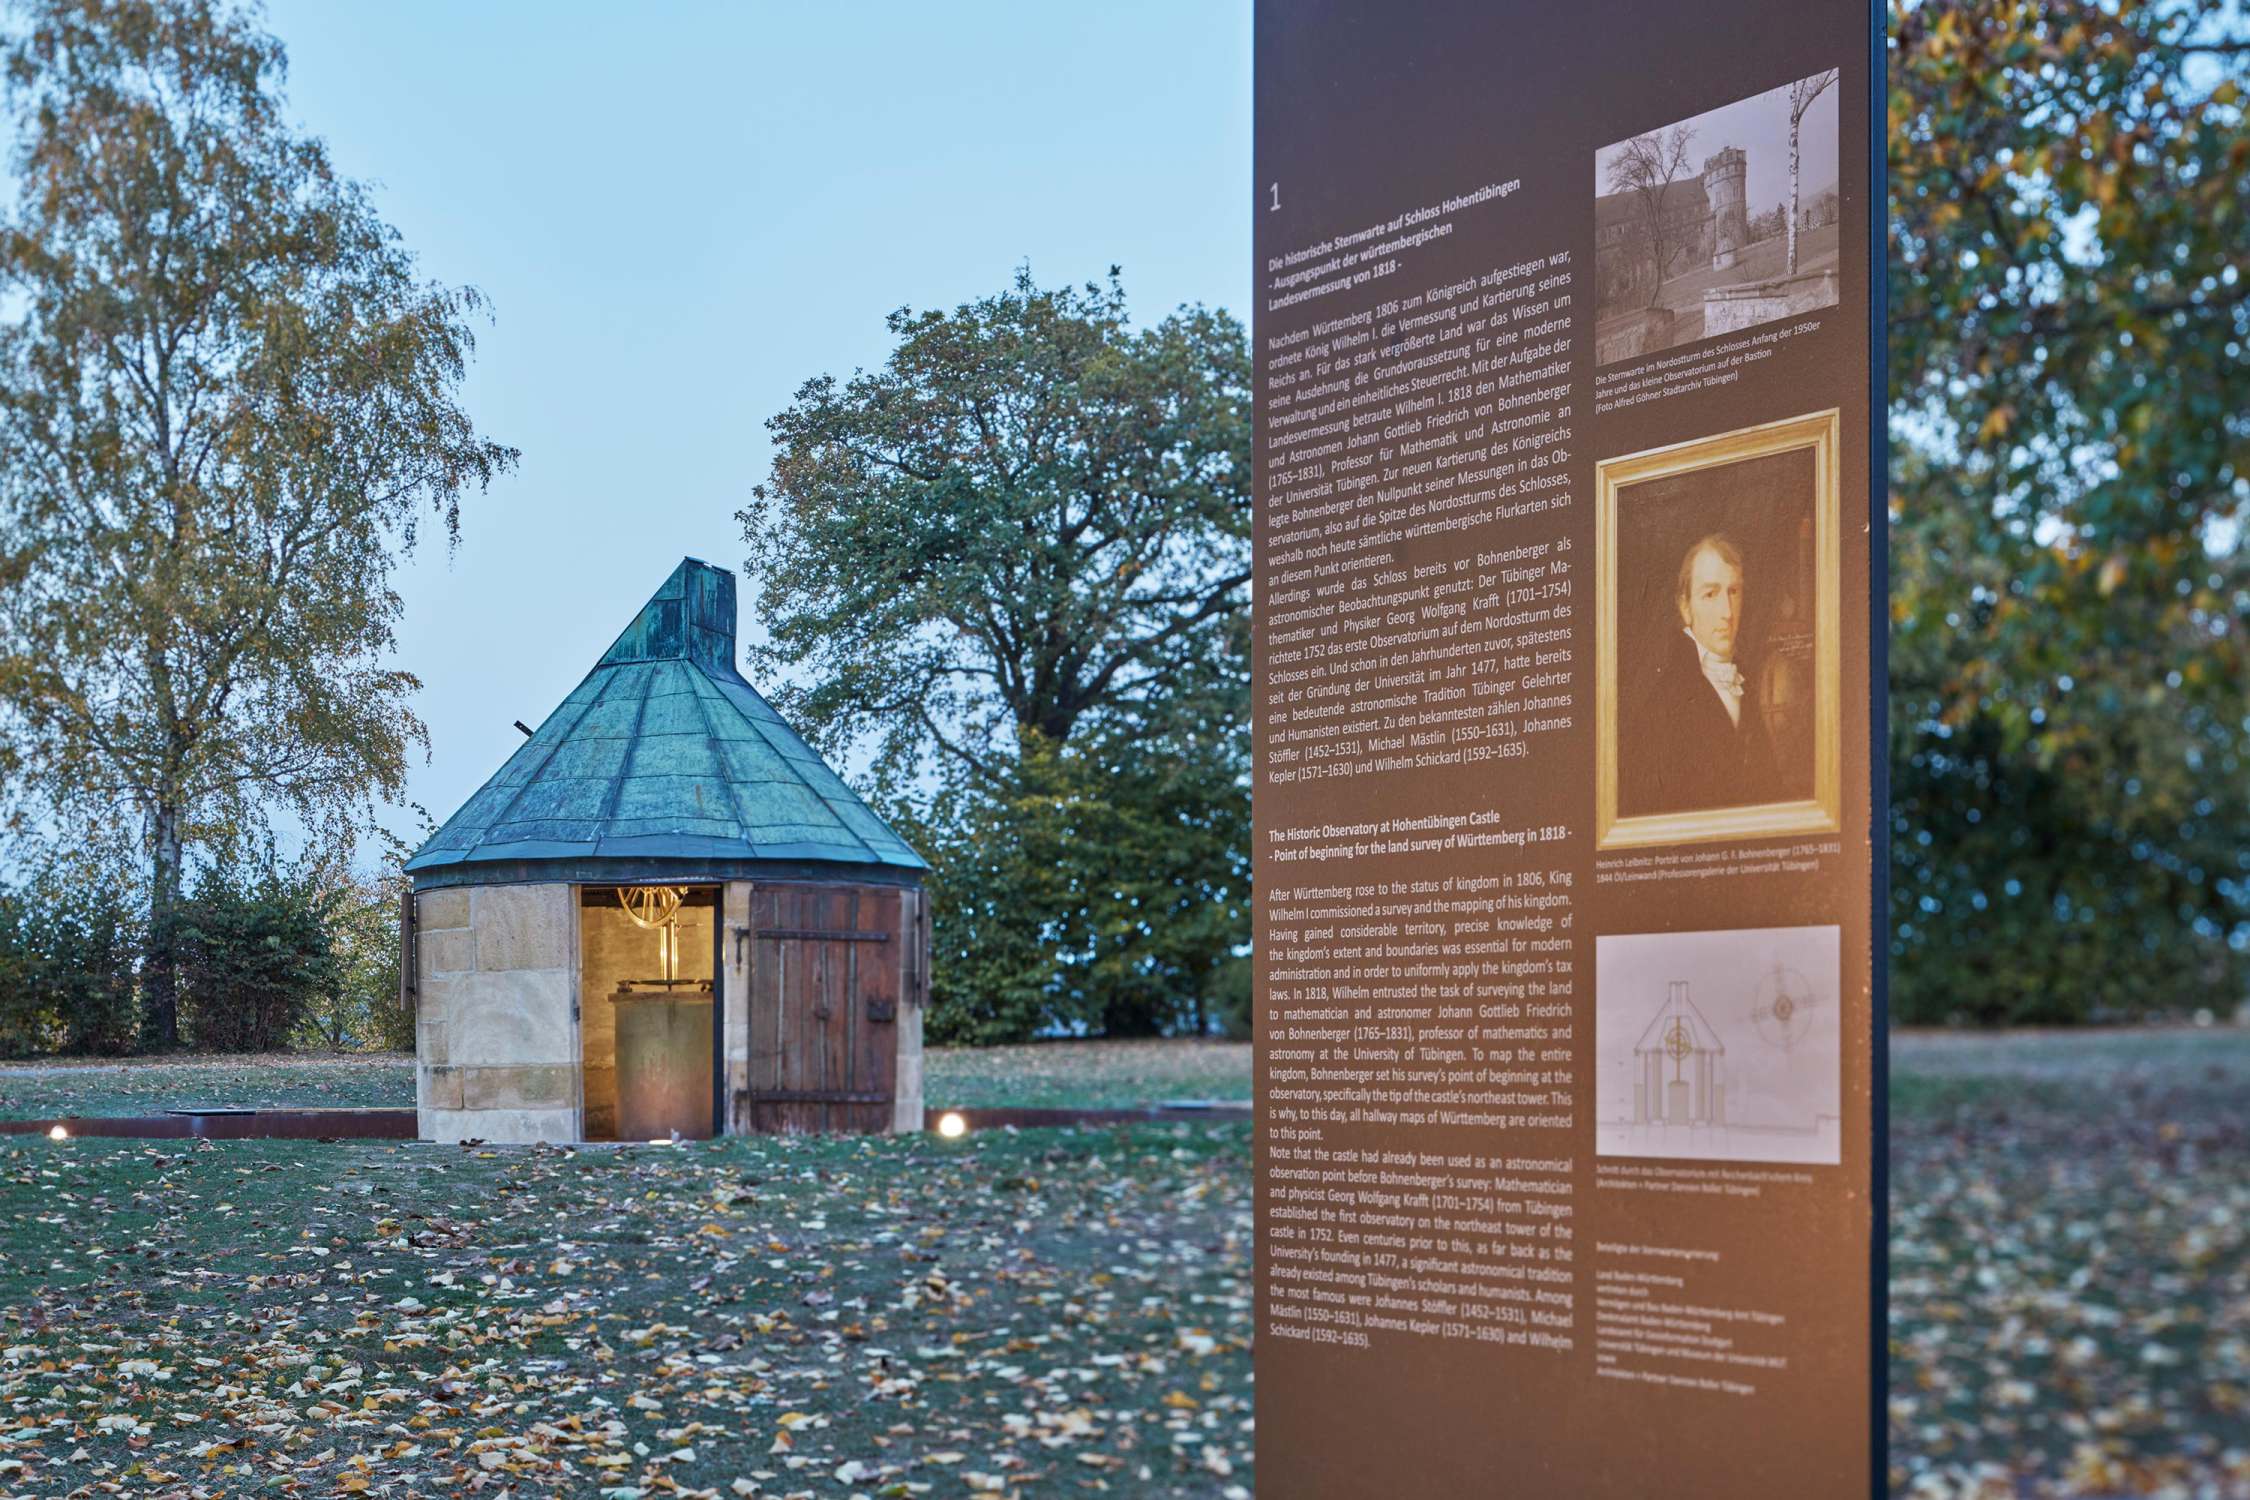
{"x":38,"y":1091}
{"x":1089,"y":1075}
{"x":1033,"y":1313}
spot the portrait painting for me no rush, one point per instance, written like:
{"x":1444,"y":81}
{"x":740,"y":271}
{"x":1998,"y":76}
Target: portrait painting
{"x":1718,"y":700}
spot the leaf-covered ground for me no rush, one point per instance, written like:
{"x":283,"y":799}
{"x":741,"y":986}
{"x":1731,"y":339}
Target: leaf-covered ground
{"x":1034,"y":1313}
{"x":2070,"y":1253}
{"x":1049,"y":1313}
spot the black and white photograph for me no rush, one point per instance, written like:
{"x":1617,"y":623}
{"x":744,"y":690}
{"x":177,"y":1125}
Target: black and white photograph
{"x":1716,"y":682}
{"x":1719,"y":1046}
{"x":1717,"y":223}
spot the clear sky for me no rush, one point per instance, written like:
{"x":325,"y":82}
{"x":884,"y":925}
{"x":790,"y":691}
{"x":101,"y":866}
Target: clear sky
{"x":681,"y":212}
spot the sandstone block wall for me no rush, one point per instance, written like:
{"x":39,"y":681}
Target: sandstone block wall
{"x":914,"y":993}
{"x":496,"y":1045}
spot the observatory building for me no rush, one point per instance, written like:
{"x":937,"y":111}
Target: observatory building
{"x":666,"y":917}
{"x":1682,"y":1066}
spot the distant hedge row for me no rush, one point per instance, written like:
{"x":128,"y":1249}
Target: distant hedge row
{"x":267,"y":960}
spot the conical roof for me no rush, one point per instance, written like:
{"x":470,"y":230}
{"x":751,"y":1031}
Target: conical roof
{"x":665,"y":752}
{"x":1682,"y":1019}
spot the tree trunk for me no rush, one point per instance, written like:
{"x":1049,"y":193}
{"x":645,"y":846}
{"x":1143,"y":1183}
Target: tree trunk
{"x":1793,"y":123}
{"x":1656,"y":254}
{"x":160,"y":979}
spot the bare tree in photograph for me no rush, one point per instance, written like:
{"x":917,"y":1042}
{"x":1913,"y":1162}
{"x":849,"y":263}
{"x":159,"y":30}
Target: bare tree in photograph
{"x":1646,"y":166}
{"x":1802,"y":93}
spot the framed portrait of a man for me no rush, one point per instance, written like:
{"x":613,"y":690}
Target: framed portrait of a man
{"x":1717,"y":674}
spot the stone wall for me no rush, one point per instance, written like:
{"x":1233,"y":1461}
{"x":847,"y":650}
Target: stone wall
{"x":1729,"y":308}
{"x":914,"y":994}
{"x":495,"y":1042}
{"x":1633,"y":334}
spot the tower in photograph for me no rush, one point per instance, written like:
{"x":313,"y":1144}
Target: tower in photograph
{"x":1681,"y":1065}
{"x":665,"y":917}
{"x":1724,"y":176}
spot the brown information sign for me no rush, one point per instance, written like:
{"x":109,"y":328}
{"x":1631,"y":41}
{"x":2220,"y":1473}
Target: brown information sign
{"x":1569,"y":662}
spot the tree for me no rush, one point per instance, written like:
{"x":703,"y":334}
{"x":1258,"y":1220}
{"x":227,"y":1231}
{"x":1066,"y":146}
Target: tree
{"x":1646,"y":166}
{"x":2070,"y":684}
{"x":362,"y":1009}
{"x":1010,"y":570}
{"x":1108,"y":889}
{"x":226,"y":401}
{"x":1802,"y":93}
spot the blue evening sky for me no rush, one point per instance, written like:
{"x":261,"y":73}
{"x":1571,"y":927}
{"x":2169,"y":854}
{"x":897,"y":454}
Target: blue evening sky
{"x":681,"y":212}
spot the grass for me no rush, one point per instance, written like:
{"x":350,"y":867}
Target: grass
{"x":38,"y":1091}
{"x":1045,"y":1075}
{"x":1051,"y":1312}
{"x":1087,"y":1075}
{"x":2070,"y":1264}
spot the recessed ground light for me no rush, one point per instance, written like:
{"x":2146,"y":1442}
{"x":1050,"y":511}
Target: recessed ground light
{"x":951,"y":1125}
{"x":58,"y":1134}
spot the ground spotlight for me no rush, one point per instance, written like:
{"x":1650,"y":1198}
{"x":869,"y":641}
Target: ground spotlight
{"x":951,"y":1125}
{"x":59,"y":1133}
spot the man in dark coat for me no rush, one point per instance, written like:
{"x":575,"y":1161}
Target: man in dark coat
{"x":1695,"y":735}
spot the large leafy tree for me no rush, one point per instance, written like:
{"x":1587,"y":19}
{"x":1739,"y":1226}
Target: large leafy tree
{"x":2070,"y":285}
{"x":226,"y":401}
{"x":1009,"y":570}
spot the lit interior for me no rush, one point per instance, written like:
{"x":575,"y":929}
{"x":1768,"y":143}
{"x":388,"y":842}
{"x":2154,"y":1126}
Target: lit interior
{"x":645,"y":995}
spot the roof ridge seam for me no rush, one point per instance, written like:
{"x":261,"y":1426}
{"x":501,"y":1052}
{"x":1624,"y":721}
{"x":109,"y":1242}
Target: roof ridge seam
{"x":874,"y":854}
{"x":616,"y":791}
{"x":718,"y":755}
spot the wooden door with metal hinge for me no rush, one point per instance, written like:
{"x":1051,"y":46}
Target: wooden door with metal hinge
{"x":824,"y":1001}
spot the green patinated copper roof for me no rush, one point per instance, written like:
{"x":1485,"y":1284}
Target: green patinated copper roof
{"x":664,"y":751}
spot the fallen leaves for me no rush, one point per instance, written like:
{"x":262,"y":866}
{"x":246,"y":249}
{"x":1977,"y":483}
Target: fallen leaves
{"x":2070,"y":1258}
{"x":769,"y":1317}
{"x":1022,"y":1314}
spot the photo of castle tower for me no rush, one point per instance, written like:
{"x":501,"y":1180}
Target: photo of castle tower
{"x":1717,"y":223}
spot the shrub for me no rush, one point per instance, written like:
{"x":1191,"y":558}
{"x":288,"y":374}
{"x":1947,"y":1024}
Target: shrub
{"x":257,"y":957}
{"x":66,"y":972}
{"x":27,"y":1019}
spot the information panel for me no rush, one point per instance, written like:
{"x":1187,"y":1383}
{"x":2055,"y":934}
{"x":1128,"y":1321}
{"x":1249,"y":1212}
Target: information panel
{"x":1569,"y":1045}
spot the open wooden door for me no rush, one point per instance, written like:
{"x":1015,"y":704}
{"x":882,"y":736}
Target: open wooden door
{"x":824,"y":1007}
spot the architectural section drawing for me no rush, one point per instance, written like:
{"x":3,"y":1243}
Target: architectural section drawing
{"x":1719,"y":1046}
